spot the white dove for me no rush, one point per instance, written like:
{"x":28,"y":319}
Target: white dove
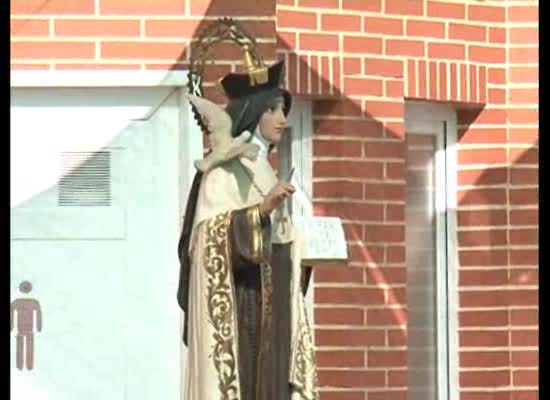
{"x":224,"y":146}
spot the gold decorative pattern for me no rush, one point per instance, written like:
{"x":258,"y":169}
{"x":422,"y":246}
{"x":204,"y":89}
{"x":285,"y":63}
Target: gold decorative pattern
{"x":265,"y":327}
{"x":255,"y":225}
{"x":220,"y":302}
{"x":306,"y":374}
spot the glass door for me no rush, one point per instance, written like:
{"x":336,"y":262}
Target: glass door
{"x":429,"y":216}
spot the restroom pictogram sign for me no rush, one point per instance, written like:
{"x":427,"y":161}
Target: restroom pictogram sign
{"x":23,"y":312}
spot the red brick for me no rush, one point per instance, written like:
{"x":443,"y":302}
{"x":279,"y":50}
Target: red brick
{"x":394,"y":89}
{"x":383,"y":317}
{"x":454,"y":82}
{"x":340,"y":23}
{"x":522,"y":338}
{"x":386,"y":358}
{"x":341,"y":190}
{"x":525,"y":378}
{"x":468,"y":33}
{"x":385,"y":149}
{"x":350,"y":337}
{"x":488,"y":379}
{"x":395,"y":170}
{"x":143,"y":50}
{"x":345,"y":169}
{"x":529,"y":13}
{"x":446,"y":10}
{"x":366,"y":254}
{"x":23,"y":66}
{"x":342,"y":395}
{"x":523,"y":116}
{"x":221,"y":8}
{"x":497,"y":76}
{"x":397,"y":338}
{"x":296,"y":19}
{"x":484,"y":359}
{"x":383,"y":67}
{"x":524,"y":156}
{"x":497,"y":35}
{"x":384,"y":191}
{"x":486,"y":13}
{"x":524,"y":257}
{"x":362,"y":5}
{"x":482,"y":156}
{"x":497,"y":96}
{"x":469,"y":258}
{"x":340,"y":359}
{"x":482,"y":298}
{"x":524,"y":196}
{"x":395,"y":254}
{"x":492,"y":318}
{"x":97,"y":66}
{"x":389,"y":233}
{"x":352,"y":65}
{"x":363,"y":45}
{"x":432,"y":74}
{"x":422,"y":79}
{"x":404,"y":7}
{"x":318,"y":42}
{"x":425,"y":29}
{"x":349,"y":295}
{"x":490,"y":55}
{"x":524,"y":35}
{"x":351,"y":378}
{"x":340,"y":274}
{"x":384,"y":109}
{"x":399,"y":47}
{"x":524,"y":135}
{"x":524,"y":236}
{"x":480,"y":278}
{"x":363,"y":86}
{"x":96,"y":27}
{"x":348,"y":127}
{"x":524,"y":96}
{"x":171,"y":27}
{"x":53,"y":7}
{"x":384,"y":26}
{"x":37,"y":50}
{"x":482,"y":135}
{"x":524,"y":55}
{"x":519,"y":277}
{"x":318,"y":3}
{"x":526,"y":358}
{"x":339,"y":316}
{"x":468,"y":218}
{"x":524,"y":317}
{"x":484,"y":338}
{"x":29,"y":27}
{"x":127,"y":7}
{"x":339,"y":148}
{"x":486,"y":237}
{"x":524,"y":217}
{"x":388,"y":276}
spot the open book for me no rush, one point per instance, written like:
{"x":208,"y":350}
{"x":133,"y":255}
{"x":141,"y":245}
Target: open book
{"x":323,"y":239}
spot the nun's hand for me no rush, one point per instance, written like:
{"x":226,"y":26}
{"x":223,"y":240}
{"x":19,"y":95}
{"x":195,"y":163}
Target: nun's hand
{"x":278,"y":193}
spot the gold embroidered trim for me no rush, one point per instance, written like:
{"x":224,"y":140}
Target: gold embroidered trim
{"x":306,"y":373}
{"x":254,"y":221}
{"x":221,"y":305}
{"x":265,"y":325}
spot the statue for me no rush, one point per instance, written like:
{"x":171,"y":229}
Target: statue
{"x":242,"y":281}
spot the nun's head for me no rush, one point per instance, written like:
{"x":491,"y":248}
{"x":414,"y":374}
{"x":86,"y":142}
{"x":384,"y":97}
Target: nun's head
{"x":266,"y":110}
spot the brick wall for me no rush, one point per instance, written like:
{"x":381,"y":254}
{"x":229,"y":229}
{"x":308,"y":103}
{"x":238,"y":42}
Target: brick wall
{"x":359,"y":59}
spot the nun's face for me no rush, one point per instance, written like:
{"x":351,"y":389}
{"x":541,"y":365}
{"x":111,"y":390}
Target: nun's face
{"x":273,"y":122}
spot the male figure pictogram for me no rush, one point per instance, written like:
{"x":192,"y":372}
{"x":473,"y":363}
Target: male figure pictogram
{"x":25,"y":309}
